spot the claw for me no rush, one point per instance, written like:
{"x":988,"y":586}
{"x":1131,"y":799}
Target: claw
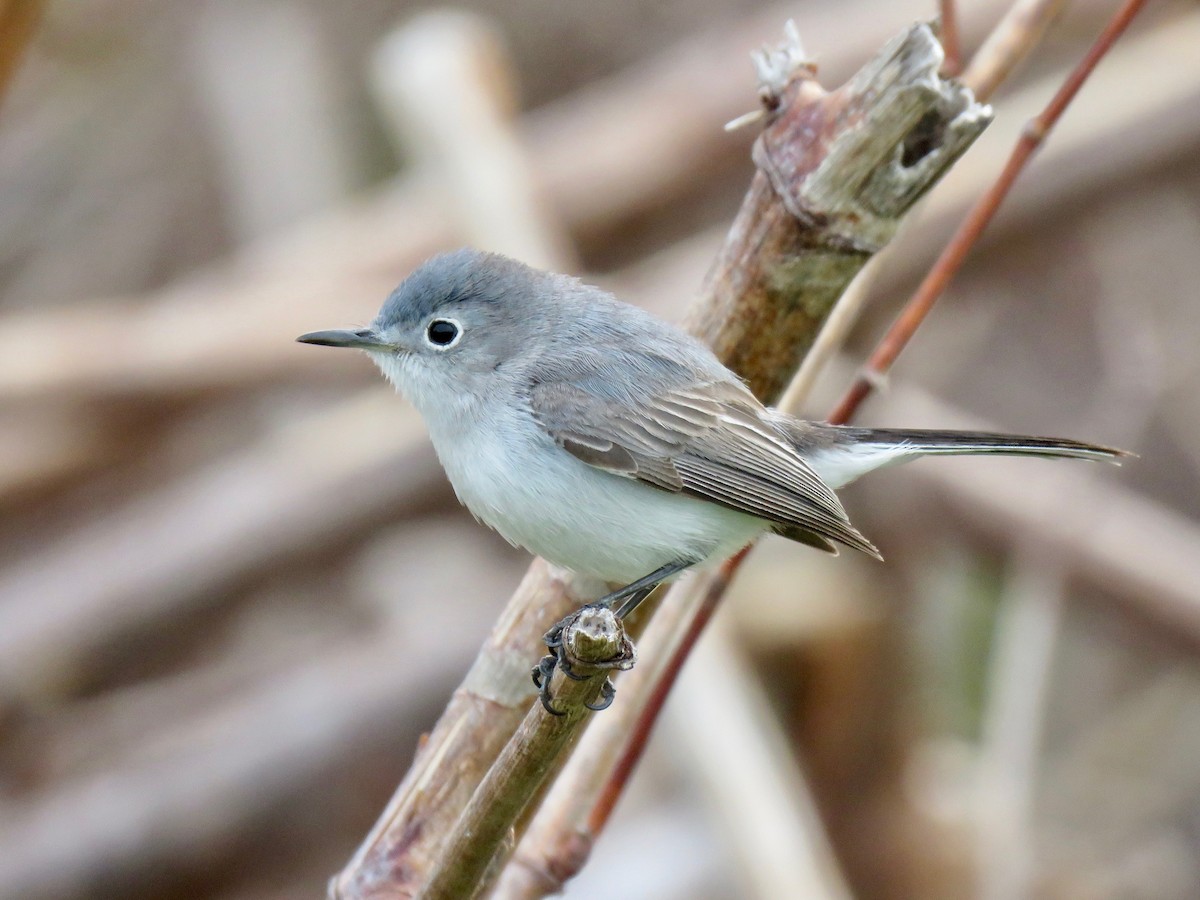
{"x":544,"y":691}
{"x":543,"y":670}
{"x":607,"y":693}
{"x":553,"y":637}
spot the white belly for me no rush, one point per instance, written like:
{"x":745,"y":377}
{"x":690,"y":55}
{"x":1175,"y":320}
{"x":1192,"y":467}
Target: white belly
{"x":543,"y":499}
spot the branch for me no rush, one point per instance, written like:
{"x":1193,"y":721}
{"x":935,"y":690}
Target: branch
{"x":836,"y":173}
{"x":484,"y":712}
{"x":595,"y":643}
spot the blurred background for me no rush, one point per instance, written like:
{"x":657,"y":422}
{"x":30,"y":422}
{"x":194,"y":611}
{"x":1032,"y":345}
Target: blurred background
{"x":231,"y":584}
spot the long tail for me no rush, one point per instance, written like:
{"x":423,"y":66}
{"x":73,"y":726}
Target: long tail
{"x":855,"y":451}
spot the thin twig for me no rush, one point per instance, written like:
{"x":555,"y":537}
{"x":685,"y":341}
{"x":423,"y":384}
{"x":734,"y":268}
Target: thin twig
{"x":595,"y":643}
{"x":1022,"y":27}
{"x":950,"y":37}
{"x":981,"y":214}
{"x":18,"y":23}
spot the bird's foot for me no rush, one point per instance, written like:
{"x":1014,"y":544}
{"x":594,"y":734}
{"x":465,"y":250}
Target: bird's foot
{"x":573,"y":643}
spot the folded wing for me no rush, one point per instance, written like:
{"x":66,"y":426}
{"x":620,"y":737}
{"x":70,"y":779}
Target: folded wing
{"x":708,"y":439}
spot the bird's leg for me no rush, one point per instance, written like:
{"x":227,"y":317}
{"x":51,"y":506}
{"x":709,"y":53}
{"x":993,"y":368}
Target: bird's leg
{"x":623,"y":602}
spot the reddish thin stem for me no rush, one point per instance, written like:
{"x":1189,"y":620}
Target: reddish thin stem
{"x":955,"y":252}
{"x":949,"y":36}
{"x":18,"y":23}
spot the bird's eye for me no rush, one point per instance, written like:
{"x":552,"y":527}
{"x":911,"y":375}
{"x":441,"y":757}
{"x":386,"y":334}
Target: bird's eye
{"x":443,"y":333}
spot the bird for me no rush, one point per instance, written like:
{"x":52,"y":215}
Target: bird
{"x":611,"y":442}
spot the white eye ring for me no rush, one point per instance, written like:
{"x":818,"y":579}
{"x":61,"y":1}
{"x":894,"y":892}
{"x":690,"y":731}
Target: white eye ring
{"x":443,"y":339}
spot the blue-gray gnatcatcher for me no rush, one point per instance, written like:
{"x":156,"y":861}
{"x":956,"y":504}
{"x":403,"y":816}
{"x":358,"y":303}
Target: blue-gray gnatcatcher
{"x":611,"y":443}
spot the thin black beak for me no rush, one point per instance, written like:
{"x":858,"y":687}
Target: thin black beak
{"x":363,"y":339}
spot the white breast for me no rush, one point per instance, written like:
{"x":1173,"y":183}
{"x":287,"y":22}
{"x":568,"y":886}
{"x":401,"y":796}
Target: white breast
{"x":513,"y":477}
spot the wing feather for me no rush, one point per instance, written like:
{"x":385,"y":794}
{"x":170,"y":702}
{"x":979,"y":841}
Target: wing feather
{"x":712,"y":440}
